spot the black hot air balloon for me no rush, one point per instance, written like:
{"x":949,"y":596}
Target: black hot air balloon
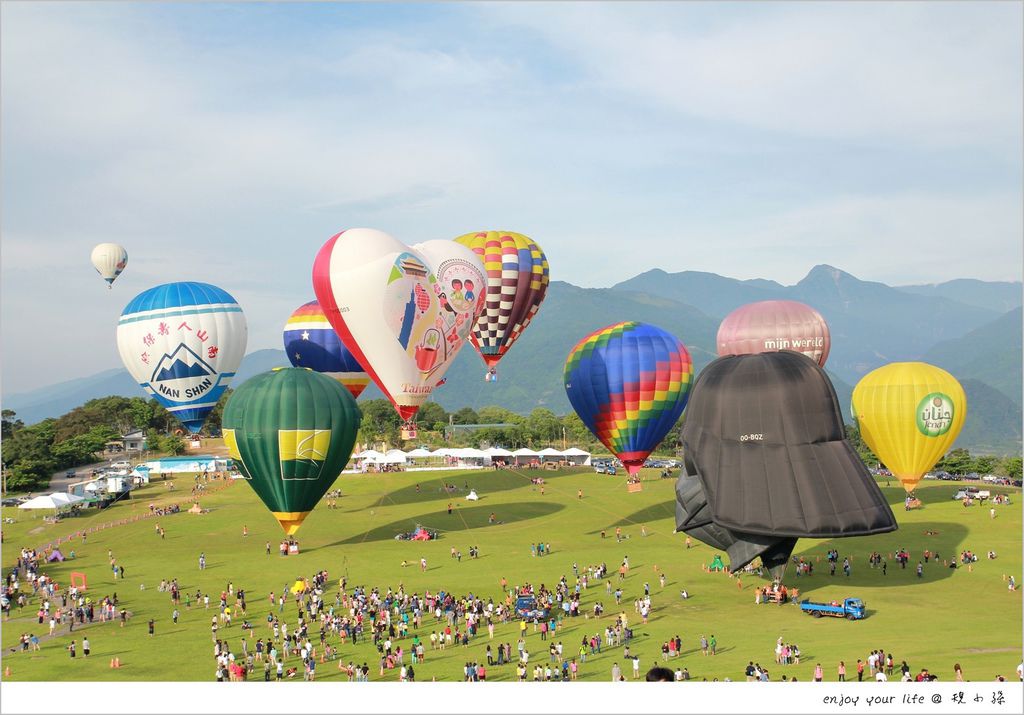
{"x":767,"y":462}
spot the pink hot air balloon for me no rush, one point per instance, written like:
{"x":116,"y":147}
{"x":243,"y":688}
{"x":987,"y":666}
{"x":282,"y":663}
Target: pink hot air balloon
{"x":771,"y":325}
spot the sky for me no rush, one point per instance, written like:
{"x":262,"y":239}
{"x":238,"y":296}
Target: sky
{"x":226,"y":142}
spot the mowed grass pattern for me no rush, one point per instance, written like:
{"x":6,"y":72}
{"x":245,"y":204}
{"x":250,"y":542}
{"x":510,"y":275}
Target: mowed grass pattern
{"x":947,"y":617}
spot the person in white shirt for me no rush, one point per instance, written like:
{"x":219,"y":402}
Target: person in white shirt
{"x":880,"y":676}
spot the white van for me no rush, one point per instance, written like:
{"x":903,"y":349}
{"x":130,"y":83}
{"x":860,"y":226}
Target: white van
{"x":121,"y":465}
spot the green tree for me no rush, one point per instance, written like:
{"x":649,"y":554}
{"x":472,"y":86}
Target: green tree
{"x":1011,"y":467}
{"x":213,"y":424}
{"x":380,"y":421}
{"x":863,"y":451}
{"x":11,"y":423}
{"x":466,"y":416}
{"x":543,"y":426}
{"x":958,"y":461}
{"x":984,"y":464}
{"x":431,"y":416}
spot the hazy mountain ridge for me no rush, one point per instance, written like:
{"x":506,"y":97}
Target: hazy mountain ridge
{"x":871,"y":324}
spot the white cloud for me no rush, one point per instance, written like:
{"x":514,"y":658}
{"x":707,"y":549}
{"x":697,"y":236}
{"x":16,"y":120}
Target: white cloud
{"x":918,"y":72}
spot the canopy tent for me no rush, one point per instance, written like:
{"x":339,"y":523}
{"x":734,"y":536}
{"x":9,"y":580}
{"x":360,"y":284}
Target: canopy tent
{"x":394,"y":456}
{"x":57,"y":500}
{"x":472,"y":453}
{"x":498,"y":452}
{"x":419,"y":452}
{"x":442,"y":452}
{"x":577,"y":456}
{"x":525,"y":455}
{"x":548,"y":453}
{"x":367,"y":454}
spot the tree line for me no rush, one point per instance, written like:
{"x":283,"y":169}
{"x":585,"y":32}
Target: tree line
{"x":31,"y":454}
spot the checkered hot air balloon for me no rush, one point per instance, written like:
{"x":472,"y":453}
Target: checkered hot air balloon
{"x":290,"y":431}
{"x":629,"y":383}
{"x":517,"y":280}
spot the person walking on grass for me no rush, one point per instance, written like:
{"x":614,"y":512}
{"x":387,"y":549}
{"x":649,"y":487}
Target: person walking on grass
{"x":85,"y":647}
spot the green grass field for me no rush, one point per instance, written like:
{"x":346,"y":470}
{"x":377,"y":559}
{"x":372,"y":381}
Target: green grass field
{"x":950,"y":616}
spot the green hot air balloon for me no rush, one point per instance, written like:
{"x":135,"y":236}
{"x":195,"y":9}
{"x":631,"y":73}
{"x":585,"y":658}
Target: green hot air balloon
{"x":291,"y":432}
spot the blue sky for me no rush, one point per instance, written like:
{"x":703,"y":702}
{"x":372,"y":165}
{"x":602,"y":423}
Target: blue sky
{"x":226,"y":143}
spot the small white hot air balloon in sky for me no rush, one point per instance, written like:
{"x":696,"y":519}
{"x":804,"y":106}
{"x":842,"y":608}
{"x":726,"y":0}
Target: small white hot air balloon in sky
{"x":109,"y":260}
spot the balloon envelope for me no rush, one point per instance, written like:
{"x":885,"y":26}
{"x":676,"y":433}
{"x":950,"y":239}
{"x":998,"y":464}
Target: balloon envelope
{"x":693,"y":516}
{"x":765,"y":435}
{"x":629,"y":383}
{"x":517,"y":281}
{"x":401,"y":310}
{"x":183,"y":342}
{"x":109,"y":259}
{"x":909,"y":414}
{"x":771,"y":325}
{"x":310,"y":341}
{"x":291,"y":432}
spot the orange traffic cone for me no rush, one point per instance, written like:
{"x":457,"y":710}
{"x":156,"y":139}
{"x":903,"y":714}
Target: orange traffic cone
{"x":117,"y":662}
{"x":111,"y":662}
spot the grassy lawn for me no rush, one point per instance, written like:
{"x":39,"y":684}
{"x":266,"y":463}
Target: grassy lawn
{"x":947,"y":617}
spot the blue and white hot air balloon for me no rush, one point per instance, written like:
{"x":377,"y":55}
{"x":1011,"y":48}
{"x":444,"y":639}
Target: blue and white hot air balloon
{"x":183,"y":342}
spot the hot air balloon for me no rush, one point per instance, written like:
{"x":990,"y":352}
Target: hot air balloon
{"x":767,"y":461}
{"x":775,"y":325}
{"x":182,"y":342}
{"x":109,"y":260}
{"x":629,"y":383}
{"x":517,"y":280}
{"x":290,"y":432}
{"x":404,"y":312}
{"x":909,"y":414}
{"x":310,"y":341}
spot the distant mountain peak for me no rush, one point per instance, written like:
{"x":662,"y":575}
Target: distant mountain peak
{"x":823,"y":271}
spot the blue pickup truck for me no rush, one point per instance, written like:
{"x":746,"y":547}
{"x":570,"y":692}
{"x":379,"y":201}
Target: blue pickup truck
{"x":851,"y":608}
{"x":528,"y":608}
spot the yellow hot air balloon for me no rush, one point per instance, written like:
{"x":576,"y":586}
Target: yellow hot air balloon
{"x":909,"y":414}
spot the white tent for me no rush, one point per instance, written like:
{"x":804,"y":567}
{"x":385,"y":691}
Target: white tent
{"x":371,"y":454}
{"x":577,"y":456}
{"x":57,"y":500}
{"x":394,"y":456}
{"x":548,"y":453}
{"x":442,"y":452}
{"x":524,"y":452}
{"x":419,"y":452}
{"x":498,"y":452}
{"x":472,"y":453}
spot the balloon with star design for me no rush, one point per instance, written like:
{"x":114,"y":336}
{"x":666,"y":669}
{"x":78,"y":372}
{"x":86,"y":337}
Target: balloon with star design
{"x":310,"y":341}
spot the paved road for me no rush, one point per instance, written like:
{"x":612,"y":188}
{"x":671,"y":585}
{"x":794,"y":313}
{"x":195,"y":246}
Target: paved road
{"x":59,"y":483}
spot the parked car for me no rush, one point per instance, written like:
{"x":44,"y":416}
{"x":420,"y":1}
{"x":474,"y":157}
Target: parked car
{"x":70,"y":474}
{"x":123,"y":464}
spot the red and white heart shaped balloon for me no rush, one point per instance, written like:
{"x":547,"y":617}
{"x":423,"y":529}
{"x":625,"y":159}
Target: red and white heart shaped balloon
{"x":403,"y":311}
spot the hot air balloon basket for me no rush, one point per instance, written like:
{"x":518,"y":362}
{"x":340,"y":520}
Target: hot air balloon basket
{"x":634,"y":487}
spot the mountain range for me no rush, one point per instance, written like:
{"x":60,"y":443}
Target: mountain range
{"x":970,"y":328}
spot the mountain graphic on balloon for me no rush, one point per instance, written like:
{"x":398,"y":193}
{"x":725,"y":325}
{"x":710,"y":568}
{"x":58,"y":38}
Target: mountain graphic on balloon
{"x":182,"y":364}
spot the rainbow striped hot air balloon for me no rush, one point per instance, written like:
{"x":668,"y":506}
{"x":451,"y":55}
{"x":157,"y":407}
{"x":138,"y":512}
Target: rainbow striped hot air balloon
{"x":629,"y":384}
{"x":310,"y":341}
